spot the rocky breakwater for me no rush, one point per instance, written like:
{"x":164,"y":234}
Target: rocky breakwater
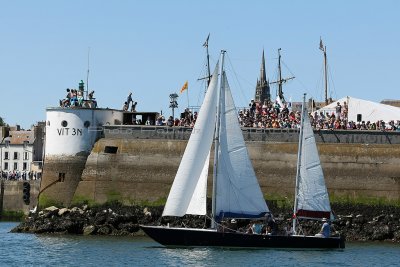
{"x":112,"y":219}
{"x":356,"y":222}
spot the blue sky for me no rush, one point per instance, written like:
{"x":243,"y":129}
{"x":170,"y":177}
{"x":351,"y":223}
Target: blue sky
{"x":152,"y":47}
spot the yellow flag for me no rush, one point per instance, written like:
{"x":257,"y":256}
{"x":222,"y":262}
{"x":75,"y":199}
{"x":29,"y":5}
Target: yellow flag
{"x":184,"y":87}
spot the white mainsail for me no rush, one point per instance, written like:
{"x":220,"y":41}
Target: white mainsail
{"x":312,"y":196}
{"x":191,"y":178}
{"x":238,"y":192}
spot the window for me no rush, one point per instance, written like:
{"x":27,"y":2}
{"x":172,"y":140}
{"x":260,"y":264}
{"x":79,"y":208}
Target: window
{"x":6,"y":155}
{"x":25,"y":166}
{"x":61,"y":176}
{"x":15,"y":155}
{"x":26,"y":155}
{"x":15,"y":166}
{"x":5,"y":165}
{"x":26,"y":143}
{"x":111,"y":149}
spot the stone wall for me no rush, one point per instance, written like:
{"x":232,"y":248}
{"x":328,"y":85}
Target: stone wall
{"x":255,"y":134}
{"x":143,"y":170}
{"x":61,"y":175}
{"x":12,"y":196}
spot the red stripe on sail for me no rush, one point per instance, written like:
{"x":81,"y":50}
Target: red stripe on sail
{"x":313,"y":214}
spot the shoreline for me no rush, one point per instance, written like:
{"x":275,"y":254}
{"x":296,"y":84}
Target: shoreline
{"x":355,"y":221}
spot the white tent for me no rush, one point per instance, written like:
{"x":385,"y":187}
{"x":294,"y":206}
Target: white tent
{"x":370,"y":111}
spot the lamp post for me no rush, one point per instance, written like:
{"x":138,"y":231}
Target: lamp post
{"x":173,"y":103}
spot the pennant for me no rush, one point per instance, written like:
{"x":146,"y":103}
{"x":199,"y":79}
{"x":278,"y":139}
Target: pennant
{"x":321,"y":45}
{"x":184,"y":87}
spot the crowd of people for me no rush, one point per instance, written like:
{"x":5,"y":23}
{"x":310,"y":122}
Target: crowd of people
{"x":19,"y":176}
{"x":278,"y":115}
{"x":187,"y":119}
{"x":75,"y":98}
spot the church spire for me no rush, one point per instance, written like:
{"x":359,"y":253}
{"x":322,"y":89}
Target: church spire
{"x":262,"y":87}
{"x":263,"y":77}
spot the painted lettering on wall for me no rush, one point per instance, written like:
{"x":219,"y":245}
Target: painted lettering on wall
{"x":69,"y":131}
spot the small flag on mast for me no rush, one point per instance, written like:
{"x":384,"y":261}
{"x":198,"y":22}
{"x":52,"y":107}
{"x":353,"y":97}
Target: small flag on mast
{"x":321,"y":45}
{"x":184,"y":87}
{"x":206,"y":42}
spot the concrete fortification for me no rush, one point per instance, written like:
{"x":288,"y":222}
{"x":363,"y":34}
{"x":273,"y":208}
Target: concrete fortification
{"x":136,"y":164}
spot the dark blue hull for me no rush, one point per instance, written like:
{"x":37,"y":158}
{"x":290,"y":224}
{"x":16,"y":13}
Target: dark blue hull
{"x":204,"y":237}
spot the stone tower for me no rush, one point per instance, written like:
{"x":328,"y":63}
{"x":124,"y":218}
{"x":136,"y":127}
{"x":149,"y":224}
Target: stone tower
{"x":262,"y":87}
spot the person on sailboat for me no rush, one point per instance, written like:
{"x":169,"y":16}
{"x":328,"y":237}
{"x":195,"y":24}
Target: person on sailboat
{"x":257,"y":227}
{"x":325,"y":229}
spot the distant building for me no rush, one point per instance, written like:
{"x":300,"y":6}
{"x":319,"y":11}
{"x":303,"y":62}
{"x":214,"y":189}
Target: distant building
{"x":263,"y":91}
{"x":21,"y":151}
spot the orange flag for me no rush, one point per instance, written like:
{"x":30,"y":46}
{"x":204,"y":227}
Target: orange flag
{"x":184,"y":87}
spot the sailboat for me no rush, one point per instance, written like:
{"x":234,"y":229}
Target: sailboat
{"x":236,"y":191}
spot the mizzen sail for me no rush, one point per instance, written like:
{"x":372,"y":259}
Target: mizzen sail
{"x":312,"y":198}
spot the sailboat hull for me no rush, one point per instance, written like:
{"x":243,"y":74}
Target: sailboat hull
{"x":191,"y":237}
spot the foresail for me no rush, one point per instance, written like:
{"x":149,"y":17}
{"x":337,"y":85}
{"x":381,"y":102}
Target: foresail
{"x":313,"y":200}
{"x":238,"y":193}
{"x":198,"y":202}
{"x":195,"y":158}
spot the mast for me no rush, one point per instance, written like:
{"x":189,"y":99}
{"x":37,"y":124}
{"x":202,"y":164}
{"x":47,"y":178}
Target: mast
{"x":323,"y":49}
{"x":280,"y":93}
{"x":298,"y":163}
{"x":280,"y":81}
{"x":87,"y":75}
{"x":208,"y":77}
{"x":208,"y":63}
{"x":216,"y":140}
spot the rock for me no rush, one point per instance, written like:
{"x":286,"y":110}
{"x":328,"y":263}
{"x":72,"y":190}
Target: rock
{"x":146,"y":212}
{"x":62,"y":211}
{"x":381,"y":233}
{"x":89,"y":230}
{"x":104,"y":230}
{"x":378,"y":218}
{"x":51,"y":209}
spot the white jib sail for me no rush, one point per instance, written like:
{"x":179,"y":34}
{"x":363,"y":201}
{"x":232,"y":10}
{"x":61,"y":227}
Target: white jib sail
{"x":190,"y":175}
{"x":238,"y":191}
{"x":312,"y":194}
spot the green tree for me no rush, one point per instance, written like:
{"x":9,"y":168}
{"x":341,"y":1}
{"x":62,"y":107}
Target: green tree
{"x":2,"y":122}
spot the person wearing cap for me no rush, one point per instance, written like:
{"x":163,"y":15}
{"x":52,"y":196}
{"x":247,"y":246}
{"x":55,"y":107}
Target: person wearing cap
{"x":326,"y":228}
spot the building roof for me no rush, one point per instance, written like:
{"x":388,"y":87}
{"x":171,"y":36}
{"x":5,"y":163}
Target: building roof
{"x":19,"y":137}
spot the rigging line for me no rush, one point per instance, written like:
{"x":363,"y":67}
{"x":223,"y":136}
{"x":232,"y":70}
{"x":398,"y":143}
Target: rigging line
{"x":331,"y":78}
{"x":236,"y":77}
{"x":319,"y":85}
{"x":297,"y":78}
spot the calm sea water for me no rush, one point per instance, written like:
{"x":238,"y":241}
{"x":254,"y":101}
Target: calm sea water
{"x":46,"y":250}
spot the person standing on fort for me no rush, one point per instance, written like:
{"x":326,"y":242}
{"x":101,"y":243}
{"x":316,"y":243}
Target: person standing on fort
{"x":129,"y":99}
{"x":338,"y":110}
